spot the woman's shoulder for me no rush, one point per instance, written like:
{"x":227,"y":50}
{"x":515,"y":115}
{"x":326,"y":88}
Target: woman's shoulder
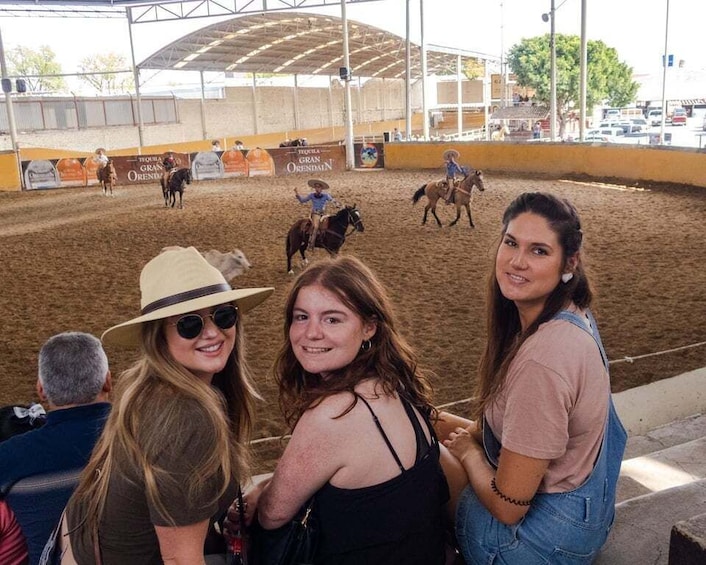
{"x":560,"y":341}
{"x":336,"y":414}
{"x":166,"y":407}
{"x":565,"y":318}
{"x":331,"y":407}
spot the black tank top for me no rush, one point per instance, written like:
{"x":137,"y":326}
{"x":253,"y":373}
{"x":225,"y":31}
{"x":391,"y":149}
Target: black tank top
{"x":399,"y":521}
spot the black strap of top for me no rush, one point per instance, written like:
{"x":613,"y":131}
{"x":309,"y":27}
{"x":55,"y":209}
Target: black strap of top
{"x":422,"y":442}
{"x":382,"y":432}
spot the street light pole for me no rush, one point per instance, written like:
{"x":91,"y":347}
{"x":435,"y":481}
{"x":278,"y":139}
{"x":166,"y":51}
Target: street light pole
{"x":584,"y":72}
{"x":552,"y":72}
{"x":552,"y":95}
{"x":664,"y":75}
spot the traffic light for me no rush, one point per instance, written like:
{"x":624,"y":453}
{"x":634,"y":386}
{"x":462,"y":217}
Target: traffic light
{"x":344,"y":73}
{"x":21,"y":85}
{"x":6,"y":85}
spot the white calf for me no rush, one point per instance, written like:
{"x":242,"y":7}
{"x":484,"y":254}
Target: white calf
{"x":231,"y":264}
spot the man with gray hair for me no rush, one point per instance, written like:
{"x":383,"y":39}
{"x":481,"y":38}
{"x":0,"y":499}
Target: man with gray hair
{"x":73,"y":383}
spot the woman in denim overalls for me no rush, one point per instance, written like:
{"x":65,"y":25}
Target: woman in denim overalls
{"x":540,"y":471}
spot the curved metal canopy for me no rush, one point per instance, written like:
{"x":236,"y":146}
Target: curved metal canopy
{"x":297,"y":43}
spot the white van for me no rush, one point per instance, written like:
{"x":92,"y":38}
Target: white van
{"x":623,"y":124}
{"x":654,"y":117}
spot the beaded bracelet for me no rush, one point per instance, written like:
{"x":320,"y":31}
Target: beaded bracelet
{"x":506,"y":498}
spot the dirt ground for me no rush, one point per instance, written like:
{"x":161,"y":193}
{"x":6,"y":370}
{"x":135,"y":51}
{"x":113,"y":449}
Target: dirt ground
{"x":71,"y":259}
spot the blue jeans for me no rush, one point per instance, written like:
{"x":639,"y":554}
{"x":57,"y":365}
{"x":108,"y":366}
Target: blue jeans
{"x":560,"y":528}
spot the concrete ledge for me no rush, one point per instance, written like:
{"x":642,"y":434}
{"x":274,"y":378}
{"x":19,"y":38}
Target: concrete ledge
{"x":649,"y":406}
{"x":643,"y":525}
{"x":664,"y":469}
{"x":687,"y":544}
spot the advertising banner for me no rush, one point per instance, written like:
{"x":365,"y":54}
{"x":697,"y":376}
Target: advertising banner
{"x":141,"y":169}
{"x":369,"y":155}
{"x":310,"y":159}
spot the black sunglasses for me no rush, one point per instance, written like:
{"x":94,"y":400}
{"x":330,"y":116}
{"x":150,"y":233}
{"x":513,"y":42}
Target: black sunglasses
{"x":190,"y":326}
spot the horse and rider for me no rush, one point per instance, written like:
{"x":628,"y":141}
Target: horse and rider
{"x":318,"y":199}
{"x":105,"y":172}
{"x":101,"y":158}
{"x":169,"y":164}
{"x":453,"y":169}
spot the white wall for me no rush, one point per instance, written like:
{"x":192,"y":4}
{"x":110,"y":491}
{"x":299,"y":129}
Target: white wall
{"x":271,"y":109}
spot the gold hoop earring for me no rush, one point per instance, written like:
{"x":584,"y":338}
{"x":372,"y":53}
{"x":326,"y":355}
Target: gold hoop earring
{"x":366,"y":345}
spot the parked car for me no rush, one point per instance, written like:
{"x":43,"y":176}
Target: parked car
{"x":679,"y":117}
{"x":641,"y":123}
{"x":626,"y":125}
{"x":612,"y":132}
{"x":654,"y":117}
{"x":597,"y":138}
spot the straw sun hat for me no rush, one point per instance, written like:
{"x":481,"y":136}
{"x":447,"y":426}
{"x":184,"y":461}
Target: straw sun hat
{"x":177,"y":281}
{"x":451,"y":153}
{"x":316,"y":183}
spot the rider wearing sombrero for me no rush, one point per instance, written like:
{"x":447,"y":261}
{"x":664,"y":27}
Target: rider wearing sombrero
{"x":101,"y":159}
{"x":318,"y":201}
{"x":170,"y":162}
{"x":452,"y":169}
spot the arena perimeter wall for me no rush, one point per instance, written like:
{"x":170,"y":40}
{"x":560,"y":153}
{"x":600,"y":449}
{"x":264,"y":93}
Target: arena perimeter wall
{"x":621,"y":162}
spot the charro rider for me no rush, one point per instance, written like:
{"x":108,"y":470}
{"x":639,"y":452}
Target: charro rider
{"x":170,"y":163}
{"x":102,"y":159}
{"x":452,"y":169}
{"x":318,"y":200}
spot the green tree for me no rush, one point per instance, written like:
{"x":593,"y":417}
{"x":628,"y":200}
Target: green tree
{"x":609,"y":81}
{"x":107,"y":73}
{"x":474,"y":68}
{"x":36,"y":67}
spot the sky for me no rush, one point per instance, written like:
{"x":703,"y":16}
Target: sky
{"x":637,"y":29}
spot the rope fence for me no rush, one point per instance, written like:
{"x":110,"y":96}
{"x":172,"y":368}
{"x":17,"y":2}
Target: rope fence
{"x":469,"y":399}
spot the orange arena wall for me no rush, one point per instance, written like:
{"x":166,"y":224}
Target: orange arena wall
{"x":654,"y":164}
{"x":9,"y":173}
{"x":639,"y":163}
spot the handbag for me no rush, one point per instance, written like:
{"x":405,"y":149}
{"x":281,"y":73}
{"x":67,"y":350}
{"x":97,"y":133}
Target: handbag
{"x":237,"y":541}
{"x":292,"y":544}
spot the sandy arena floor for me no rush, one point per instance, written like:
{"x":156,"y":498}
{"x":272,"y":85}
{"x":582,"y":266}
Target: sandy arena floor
{"x":71,"y":259}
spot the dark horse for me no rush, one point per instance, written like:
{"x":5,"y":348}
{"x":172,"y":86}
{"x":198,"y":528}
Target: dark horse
{"x":462,"y":197}
{"x":331,"y":234}
{"x":175,"y":184}
{"x":107,"y":177}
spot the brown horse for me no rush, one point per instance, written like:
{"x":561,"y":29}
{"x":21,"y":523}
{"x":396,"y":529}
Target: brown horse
{"x":462,"y":197}
{"x":107,"y":177}
{"x":331,"y":235}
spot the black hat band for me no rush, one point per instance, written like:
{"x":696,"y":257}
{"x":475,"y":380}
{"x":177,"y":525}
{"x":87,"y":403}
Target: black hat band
{"x":185,"y":296}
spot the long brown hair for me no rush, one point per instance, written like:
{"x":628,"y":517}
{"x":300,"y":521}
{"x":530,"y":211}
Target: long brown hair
{"x":389,"y":359}
{"x":133,"y":435}
{"x":505,"y":335}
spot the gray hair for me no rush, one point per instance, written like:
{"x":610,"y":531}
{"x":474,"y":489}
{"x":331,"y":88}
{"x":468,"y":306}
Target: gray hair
{"x":72,"y":368}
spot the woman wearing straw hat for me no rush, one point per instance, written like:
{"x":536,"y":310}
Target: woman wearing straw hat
{"x":318,"y":201}
{"x":173,"y":450}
